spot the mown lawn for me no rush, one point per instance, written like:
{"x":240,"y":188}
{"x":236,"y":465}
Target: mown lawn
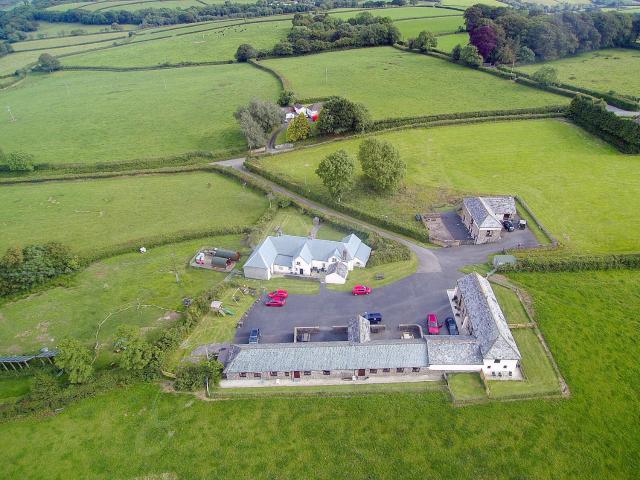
{"x":511,"y":305}
{"x":100,"y":213}
{"x":140,"y":431}
{"x":89,"y":117}
{"x":422,"y":85}
{"x":213,"y":45}
{"x":603,"y":70}
{"x":583,"y":190}
{"x":467,"y":387}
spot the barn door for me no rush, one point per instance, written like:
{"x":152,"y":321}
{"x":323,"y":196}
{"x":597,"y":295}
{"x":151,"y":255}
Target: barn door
{"x":296,"y":374}
{"x":361,"y":372}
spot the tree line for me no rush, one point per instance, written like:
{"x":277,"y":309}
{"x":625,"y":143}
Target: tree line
{"x":505,"y":35}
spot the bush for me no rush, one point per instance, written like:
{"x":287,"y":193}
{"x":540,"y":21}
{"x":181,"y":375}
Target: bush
{"x":425,"y":42}
{"x":470,"y":56}
{"x":245,"y":52}
{"x":298,"y":129}
{"x":19,"y":162}
{"x":456,"y":52}
{"x":194,"y":377}
{"x":546,"y":76}
{"x":287,"y":97}
{"x":339,"y":115}
{"x":75,"y":359}
{"x":574,"y":263}
{"x":381,"y":164}
{"x":48,"y":63}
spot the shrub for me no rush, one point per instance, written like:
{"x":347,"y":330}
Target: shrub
{"x":456,"y":52}
{"x":339,"y":115}
{"x":298,"y":129}
{"x":245,"y":52}
{"x":75,"y":359}
{"x":546,"y":76}
{"x":194,"y":377}
{"x":336,"y":172}
{"x":19,"y":162}
{"x":469,"y":55}
{"x":425,"y":42}
{"x":287,"y":97}
{"x":381,"y":164}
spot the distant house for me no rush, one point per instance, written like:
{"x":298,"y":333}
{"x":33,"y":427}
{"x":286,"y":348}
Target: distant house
{"x":300,"y":109}
{"x":483,"y":216}
{"x":290,"y":255}
{"x":313,"y":111}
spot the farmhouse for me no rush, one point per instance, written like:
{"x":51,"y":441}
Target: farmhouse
{"x":489,"y":347}
{"x":483,"y":216}
{"x":290,"y":255}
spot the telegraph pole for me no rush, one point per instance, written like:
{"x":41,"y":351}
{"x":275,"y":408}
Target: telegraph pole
{"x":13,"y":119}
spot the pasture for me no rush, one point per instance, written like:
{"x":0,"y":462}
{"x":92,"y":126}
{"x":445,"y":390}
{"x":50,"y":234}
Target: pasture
{"x":140,"y":431}
{"x":134,"y":289}
{"x":396,"y":13}
{"x":136,"y":5}
{"x":447,"y":42}
{"x":426,"y":85}
{"x":570,"y":179}
{"x":602,"y":70}
{"x":61,"y":29}
{"x":219,"y":43}
{"x":55,"y":43}
{"x":438,"y":25}
{"x":93,"y":215}
{"x":89,"y":117}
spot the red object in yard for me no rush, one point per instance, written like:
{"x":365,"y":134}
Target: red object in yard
{"x":279,"y":293}
{"x":314,"y":118}
{"x":361,"y":290}
{"x":276,"y":302}
{"x":432,"y":324}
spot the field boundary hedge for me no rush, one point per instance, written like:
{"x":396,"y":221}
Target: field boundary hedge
{"x":543,"y":229}
{"x":162,"y":66}
{"x":74,"y":45}
{"x":284,"y":83}
{"x":573,"y":263}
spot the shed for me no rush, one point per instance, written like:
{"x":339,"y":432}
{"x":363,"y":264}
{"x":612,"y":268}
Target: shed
{"x":230,"y":254}
{"x":220,"y":262}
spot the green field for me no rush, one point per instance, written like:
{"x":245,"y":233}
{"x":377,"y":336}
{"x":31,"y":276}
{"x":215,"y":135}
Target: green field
{"x":57,"y":29}
{"x":69,"y":6}
{"x":570,"y":179}
{"x":52,"y":42}
{"x":411,"y":28}
{"x":89,"y":117}
{"x":467,"y":387}
{"x":134,"y":289}
{"x":213,"y":45}
{"x":100,"y":213}
{"x":511,"y":305}
{"x":426,"y":85}
{"x":447,"y":42}
{"x":603,"y":70}
{"x":141,"y":432}
{"x":135,"y":5}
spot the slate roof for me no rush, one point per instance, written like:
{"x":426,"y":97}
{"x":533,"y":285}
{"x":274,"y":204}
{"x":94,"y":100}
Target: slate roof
{"x":481,"y":213}
{"x":340,"y":268}
{"x":27,"y":358}
{"x":501,"y":205}
{"x":488,"y":323}
{"x":453,"y":350}
{"x":310,"y":249}
{"x":359,"y":330}
{"x":286,"y":357}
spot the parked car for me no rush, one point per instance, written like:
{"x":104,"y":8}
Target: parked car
{"x":418,"y":217}
{"x":361,"y":290}
{"x":254,"y":336}
{"x":508,"y":226}
{"x":451,"y":326}
{"x":432,"y":324}
{"x":522,"y":224}
{"x":279,"y":293}
{"x":374,"y":318}
{"x":276,"y":302}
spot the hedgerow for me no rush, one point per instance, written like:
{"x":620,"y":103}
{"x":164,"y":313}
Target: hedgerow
{"x":573,"y":263}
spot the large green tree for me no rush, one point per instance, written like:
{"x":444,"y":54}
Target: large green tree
{"x":298,"y":129}
{"x":48,"y":63}
{"x":135,"y":353}
{"x":381,"y":164}
{"x":75,"y":359}
{"x":425,"y":42}
{"x":337,"y":173}
{"x":245,"y":52}
{"x":469,"y":55}
{"x":339,"y":115}
{"x":546,"y":76}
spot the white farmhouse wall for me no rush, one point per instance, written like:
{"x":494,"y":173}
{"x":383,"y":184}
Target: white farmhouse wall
{"x":456,"y":368}
{"x":503,"y":367}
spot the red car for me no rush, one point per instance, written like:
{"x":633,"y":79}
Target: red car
{"x":276,"y":302}
{"x":279,"y":293}
{"x":361,"y":290}
{"x":432,"y":324}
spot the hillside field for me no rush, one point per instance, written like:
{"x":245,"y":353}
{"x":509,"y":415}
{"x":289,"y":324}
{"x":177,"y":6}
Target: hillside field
{"x":90,"y":215}
{"x":425,"y":85}
{"x":411,"y":28}
{"x":55,"y":43}
{"x":142,"y":432}
{"x":570,"y":179}
{"x":614,"y":69}
{"x":447,"y":42}
{"x":89,"y":117}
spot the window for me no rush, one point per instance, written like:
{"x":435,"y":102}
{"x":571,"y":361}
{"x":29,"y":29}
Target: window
{"x":373,"y":370}
{"x":307,"y":373}
{"x":326,"y":372}
{"x":511,"y":374}
{"x":489,"y":233}
{"x":297,"y":263}
{"x":399,"y":370}
{"x":497,"y":360}
{"x":504,"y":366}
{"x":273,"y":374}
{"x":257,"y":375}
{"x":286,"y":374}
{"x":415,"y":369}
{"x":386,"y":370}
{"x":243,"y":375}
{"x":493,"y":374}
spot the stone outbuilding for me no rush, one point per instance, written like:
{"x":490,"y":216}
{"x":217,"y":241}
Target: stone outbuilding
{"x":483,"y":216}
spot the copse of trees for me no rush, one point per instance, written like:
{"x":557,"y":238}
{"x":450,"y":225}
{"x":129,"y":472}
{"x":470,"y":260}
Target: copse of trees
{"x":339,"y":115}
{"x":48,"y":63}
{"x":505,"y":35}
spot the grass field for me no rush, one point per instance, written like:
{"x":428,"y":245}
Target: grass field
{"x":139,"y":290}
{"x":140,"y":431}
{"x":447,"y":42}
{"x":57,"y":29}
{"x":136,"y":5}
{"x":213,"y":45}
{"x":411,"y":28}
{"x":100,"y":213}
{"x":426,"y":85}
{"x":12,"y":389}
{"x":570,"y":179}
{"x":69,"y":6}
{"x":603,"y":70}
{"x":396,"y":13}
{"x":49,"y":43}
{"x":467,"y":387}
{"x":89,"y":117}
{"x":511,"y":305}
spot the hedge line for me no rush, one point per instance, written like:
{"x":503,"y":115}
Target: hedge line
{"x":573,"y":263}
{"x":154,"y":67}
{"x":74,"y":45}
{"x":412,"y":232}
{"x":284,"y":83}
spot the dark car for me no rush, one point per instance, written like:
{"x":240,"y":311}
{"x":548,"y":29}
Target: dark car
{"x":374,"y":318}
{"x":451,"y":326}
{"x":508,"y":226}
{"x":254,"y":336}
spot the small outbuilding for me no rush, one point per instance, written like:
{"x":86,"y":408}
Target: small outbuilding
{"x":483,"y":216}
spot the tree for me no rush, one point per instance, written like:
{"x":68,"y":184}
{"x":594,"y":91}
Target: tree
{"x":75,"y":359}
{"x":137,"y":354}
{"x":485,"y":38}
{"x":546,"y":76}
{"x":245,"y":52}
{"x":455,"y":53}
{"x":299,"y":129}
{"x":339,"y":115}
{"x":287,"y":97}
{"x":425,"y":42}
{"x":283,"y":48}
{"x":5,"y":48}
{"x":256,"y":137}
{"x":337,"y":173}
{"x":194,"y":377}
{"x":19,"y":162}
{"x":48,"y":63}
{"x":525,"y":55}
{"x":381,"y":164}
{"x":506,"y":55}
{"x":267,"y":114}
{"x":469,"y":55}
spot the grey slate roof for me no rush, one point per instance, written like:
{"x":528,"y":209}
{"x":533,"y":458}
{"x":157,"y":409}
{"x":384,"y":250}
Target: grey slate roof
{"x":310,"y":249}
{"x":453,"y":350}
{"x":283,"y":260}
{"x":316,"y":356}
{"x":501,"y":205}
{"x":480,"y":212}
{"x":27,"y":358}
{"x":359,"y":330}
{"x":340,"y":268}
{"x":487,"y":320}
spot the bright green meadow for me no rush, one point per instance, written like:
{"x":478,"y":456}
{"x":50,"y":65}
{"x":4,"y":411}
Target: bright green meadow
{"x":411,"y":28}
{"x":49,"y":43}
{"x":447,"y":42}
{"x":141,"y":432}
{"x":570,"y":179}
{"x":425,"y":85}
{"x":89,"y":117}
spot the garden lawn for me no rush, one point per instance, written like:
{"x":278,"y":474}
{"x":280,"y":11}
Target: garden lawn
{"x":140,"y":431}
{"x":411,"y":28}
{"x":583,"y":190}
{"x":614,"y":69}
{"x":138,"y":290}
{"x":89,"y":117}
{"x":94,"y":215}
{"x":511,"y":306}
{"x":467,"y":387}
{"x":401,"y":84}
{"x":447,"y":42}
{"x":218,"y":44}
